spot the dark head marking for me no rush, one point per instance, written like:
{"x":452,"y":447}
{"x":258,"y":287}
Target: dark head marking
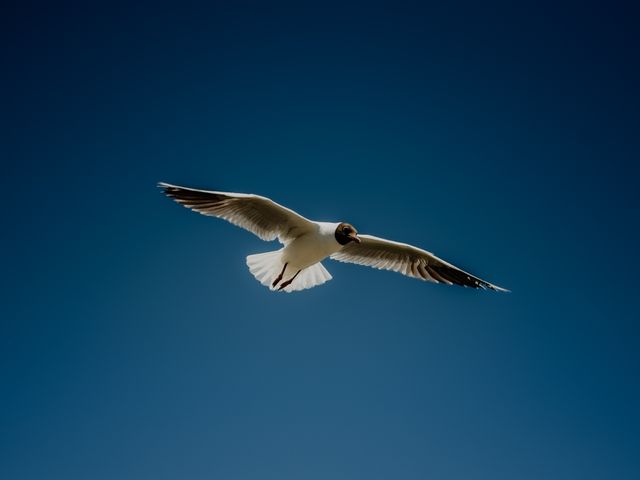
{"x":346,"y":233}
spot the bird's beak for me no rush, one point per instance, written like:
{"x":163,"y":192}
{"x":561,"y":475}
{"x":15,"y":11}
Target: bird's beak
{"x":354,"y":237}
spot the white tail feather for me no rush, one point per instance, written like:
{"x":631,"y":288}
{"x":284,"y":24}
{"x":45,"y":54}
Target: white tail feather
{"x":310,"y":277}
{"x":267,"y":266}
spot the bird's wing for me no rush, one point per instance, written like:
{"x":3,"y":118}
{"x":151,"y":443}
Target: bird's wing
{"x":411,"y":261}
{"x":260,"y":215}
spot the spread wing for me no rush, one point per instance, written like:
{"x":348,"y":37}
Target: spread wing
{"x":260,"y":215}
{"x":411,"y":261}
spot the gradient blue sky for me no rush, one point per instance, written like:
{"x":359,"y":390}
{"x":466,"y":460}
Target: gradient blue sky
{"x":135,"y":343}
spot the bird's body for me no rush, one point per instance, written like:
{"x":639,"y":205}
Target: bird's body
{"x":303,"y":254}
{"x":312,"y":247}
{"x":297,"y":265}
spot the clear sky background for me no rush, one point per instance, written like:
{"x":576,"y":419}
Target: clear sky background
{"x":134,"y":342}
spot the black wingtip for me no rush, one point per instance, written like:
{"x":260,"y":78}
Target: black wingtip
{"x":167,"y":188}
{"x":500,"y":289}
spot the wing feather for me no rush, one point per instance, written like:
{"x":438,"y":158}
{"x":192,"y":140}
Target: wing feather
{"x":409,"y":260}
{"x":259,"y":215}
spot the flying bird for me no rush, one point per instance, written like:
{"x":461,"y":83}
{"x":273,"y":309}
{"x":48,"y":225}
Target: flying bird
{"x":297,"y":265}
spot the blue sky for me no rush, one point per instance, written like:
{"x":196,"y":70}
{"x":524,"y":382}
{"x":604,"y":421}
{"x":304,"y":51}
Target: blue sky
{"x":136,"y":344}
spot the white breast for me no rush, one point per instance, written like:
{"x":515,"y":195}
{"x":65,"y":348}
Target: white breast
{"x":312,"y":247}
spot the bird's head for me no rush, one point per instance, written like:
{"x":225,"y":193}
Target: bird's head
{"x":346,"y":233}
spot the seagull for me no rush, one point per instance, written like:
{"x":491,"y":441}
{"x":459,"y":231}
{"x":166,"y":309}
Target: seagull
{"x":297,"y":265}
